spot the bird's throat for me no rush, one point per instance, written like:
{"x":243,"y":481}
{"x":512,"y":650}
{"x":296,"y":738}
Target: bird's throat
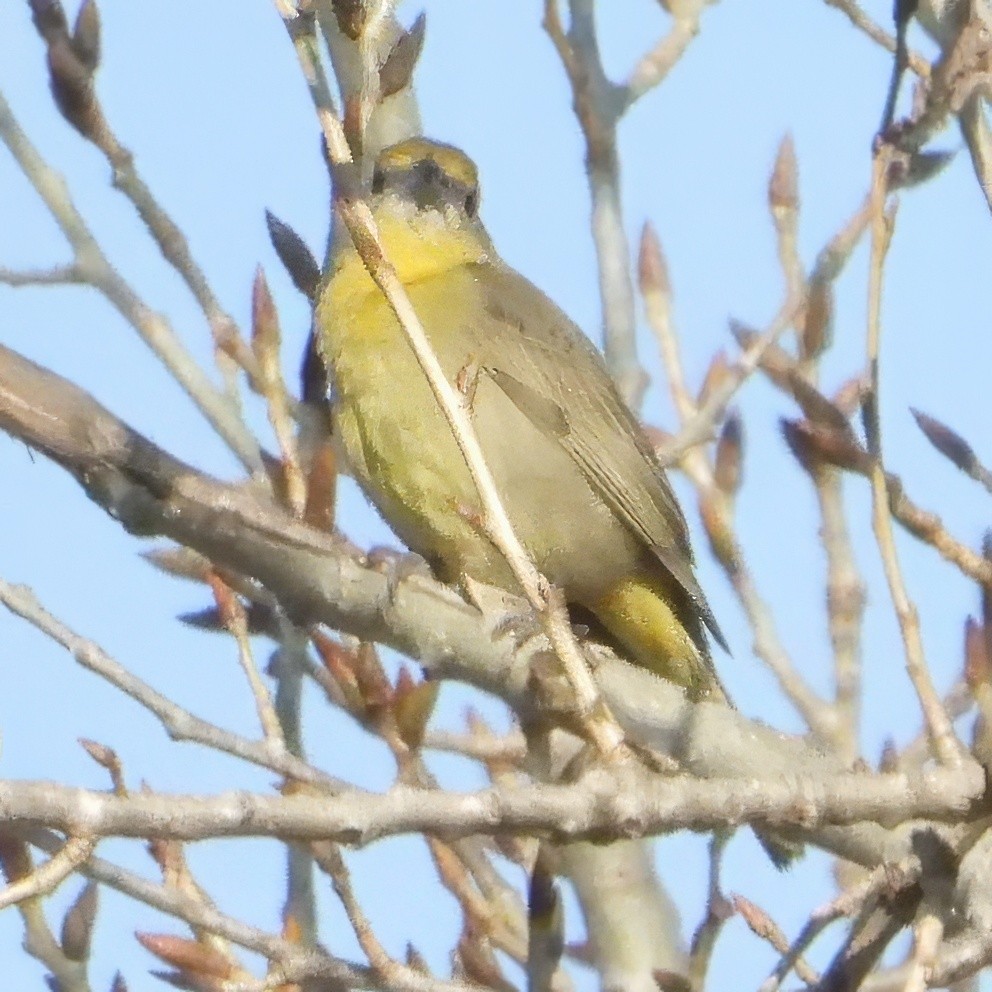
{"x":418,"y":248}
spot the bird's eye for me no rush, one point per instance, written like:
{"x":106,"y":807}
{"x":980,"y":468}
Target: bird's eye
{"x":378,"y":180}
{"x":472,"y":203}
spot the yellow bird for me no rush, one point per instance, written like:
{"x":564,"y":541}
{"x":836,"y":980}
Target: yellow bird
{"x":581,"y":483}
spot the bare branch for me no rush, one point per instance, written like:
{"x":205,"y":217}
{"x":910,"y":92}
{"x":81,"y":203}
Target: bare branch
{"x":946,"y":744}
{"x":180,"y":724}
{"x":655,"y":65}
{"x":92,"y":266}
{"x":294,"y":962}
{"x":846,"y":602}
{"x":317,"y":579}
{"x":598,"y":105}
{"x":604,"y":805}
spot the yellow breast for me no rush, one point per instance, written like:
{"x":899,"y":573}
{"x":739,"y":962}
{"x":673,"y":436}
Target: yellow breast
{"x":419,"y":246}
{"x":395,"y":437}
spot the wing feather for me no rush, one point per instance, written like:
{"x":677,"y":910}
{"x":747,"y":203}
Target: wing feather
{"x":576,"y":401}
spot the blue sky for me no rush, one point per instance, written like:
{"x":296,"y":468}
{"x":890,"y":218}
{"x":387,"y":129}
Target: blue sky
{"x":209,"y":99}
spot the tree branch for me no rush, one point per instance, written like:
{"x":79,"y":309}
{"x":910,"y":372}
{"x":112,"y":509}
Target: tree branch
{"x":317,"y":578}
{"x":606,"y":804}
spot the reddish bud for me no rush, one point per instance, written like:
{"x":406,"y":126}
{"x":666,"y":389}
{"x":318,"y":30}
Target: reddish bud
{"x":376,"y":691}
{"x":340,"y":664}
{"x":187,"y":955}
{"x":77,"y":926}
{"x":817,"y":446}
{"x":413,"y":707}
{"x":49,"y":19}
{"x":322,"y":488}
{"x":727,"y":472}
{"x":818,"y":319}
{"x":265,"y":333}
{"x":15,"y":859}
{"x":976,"y":659}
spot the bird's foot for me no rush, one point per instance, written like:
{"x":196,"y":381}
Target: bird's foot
{"x":396,"y":565}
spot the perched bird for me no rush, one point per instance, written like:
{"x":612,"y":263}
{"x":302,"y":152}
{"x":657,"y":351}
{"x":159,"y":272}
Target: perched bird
{"x":581,"y":483}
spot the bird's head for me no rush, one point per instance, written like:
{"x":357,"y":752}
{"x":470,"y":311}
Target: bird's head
{"x":422,"y":176}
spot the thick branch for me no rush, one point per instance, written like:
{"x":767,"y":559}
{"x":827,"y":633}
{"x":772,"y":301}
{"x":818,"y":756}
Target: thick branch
{"x":605,"y":805}
{"x":318,"y":579}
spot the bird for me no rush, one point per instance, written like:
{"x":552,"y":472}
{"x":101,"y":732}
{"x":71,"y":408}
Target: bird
{"x":582,"y":484}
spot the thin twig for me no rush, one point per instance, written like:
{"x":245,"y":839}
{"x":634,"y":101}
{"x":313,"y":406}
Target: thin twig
{"x":233,"y":615}
{"x":49,"y":876}
{"x":850,"y":902}
{"x":718,"y":911}
{"x":180,"y":724}
{"x":655,"y":65}
{"x":328,"y":856}
{"x":73,"y":82}
{"x":958,"y":701}
{"x":846,"y":601}
{"x":598,"y":106}
{"x":294,"y":962}
{"x":60,"y":275}
{"x":845,"y":592}
{"x":864,"y":23}
{"x":94,"y":268}
{"x":762,"y":925}
{"x":766,"y":645}
{"x":508,"y":932}
{"x":266,"y":342}
{"x":500,"y":910}
{"x":947,"y":747}
{"x":511,"y":748}
{"x":828,"y":266}
{"x":288,"y":666}
{"x":703,"y":424}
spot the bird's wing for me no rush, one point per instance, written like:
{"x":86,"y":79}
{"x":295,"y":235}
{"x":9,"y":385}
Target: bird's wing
{"x":576,"y":401}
